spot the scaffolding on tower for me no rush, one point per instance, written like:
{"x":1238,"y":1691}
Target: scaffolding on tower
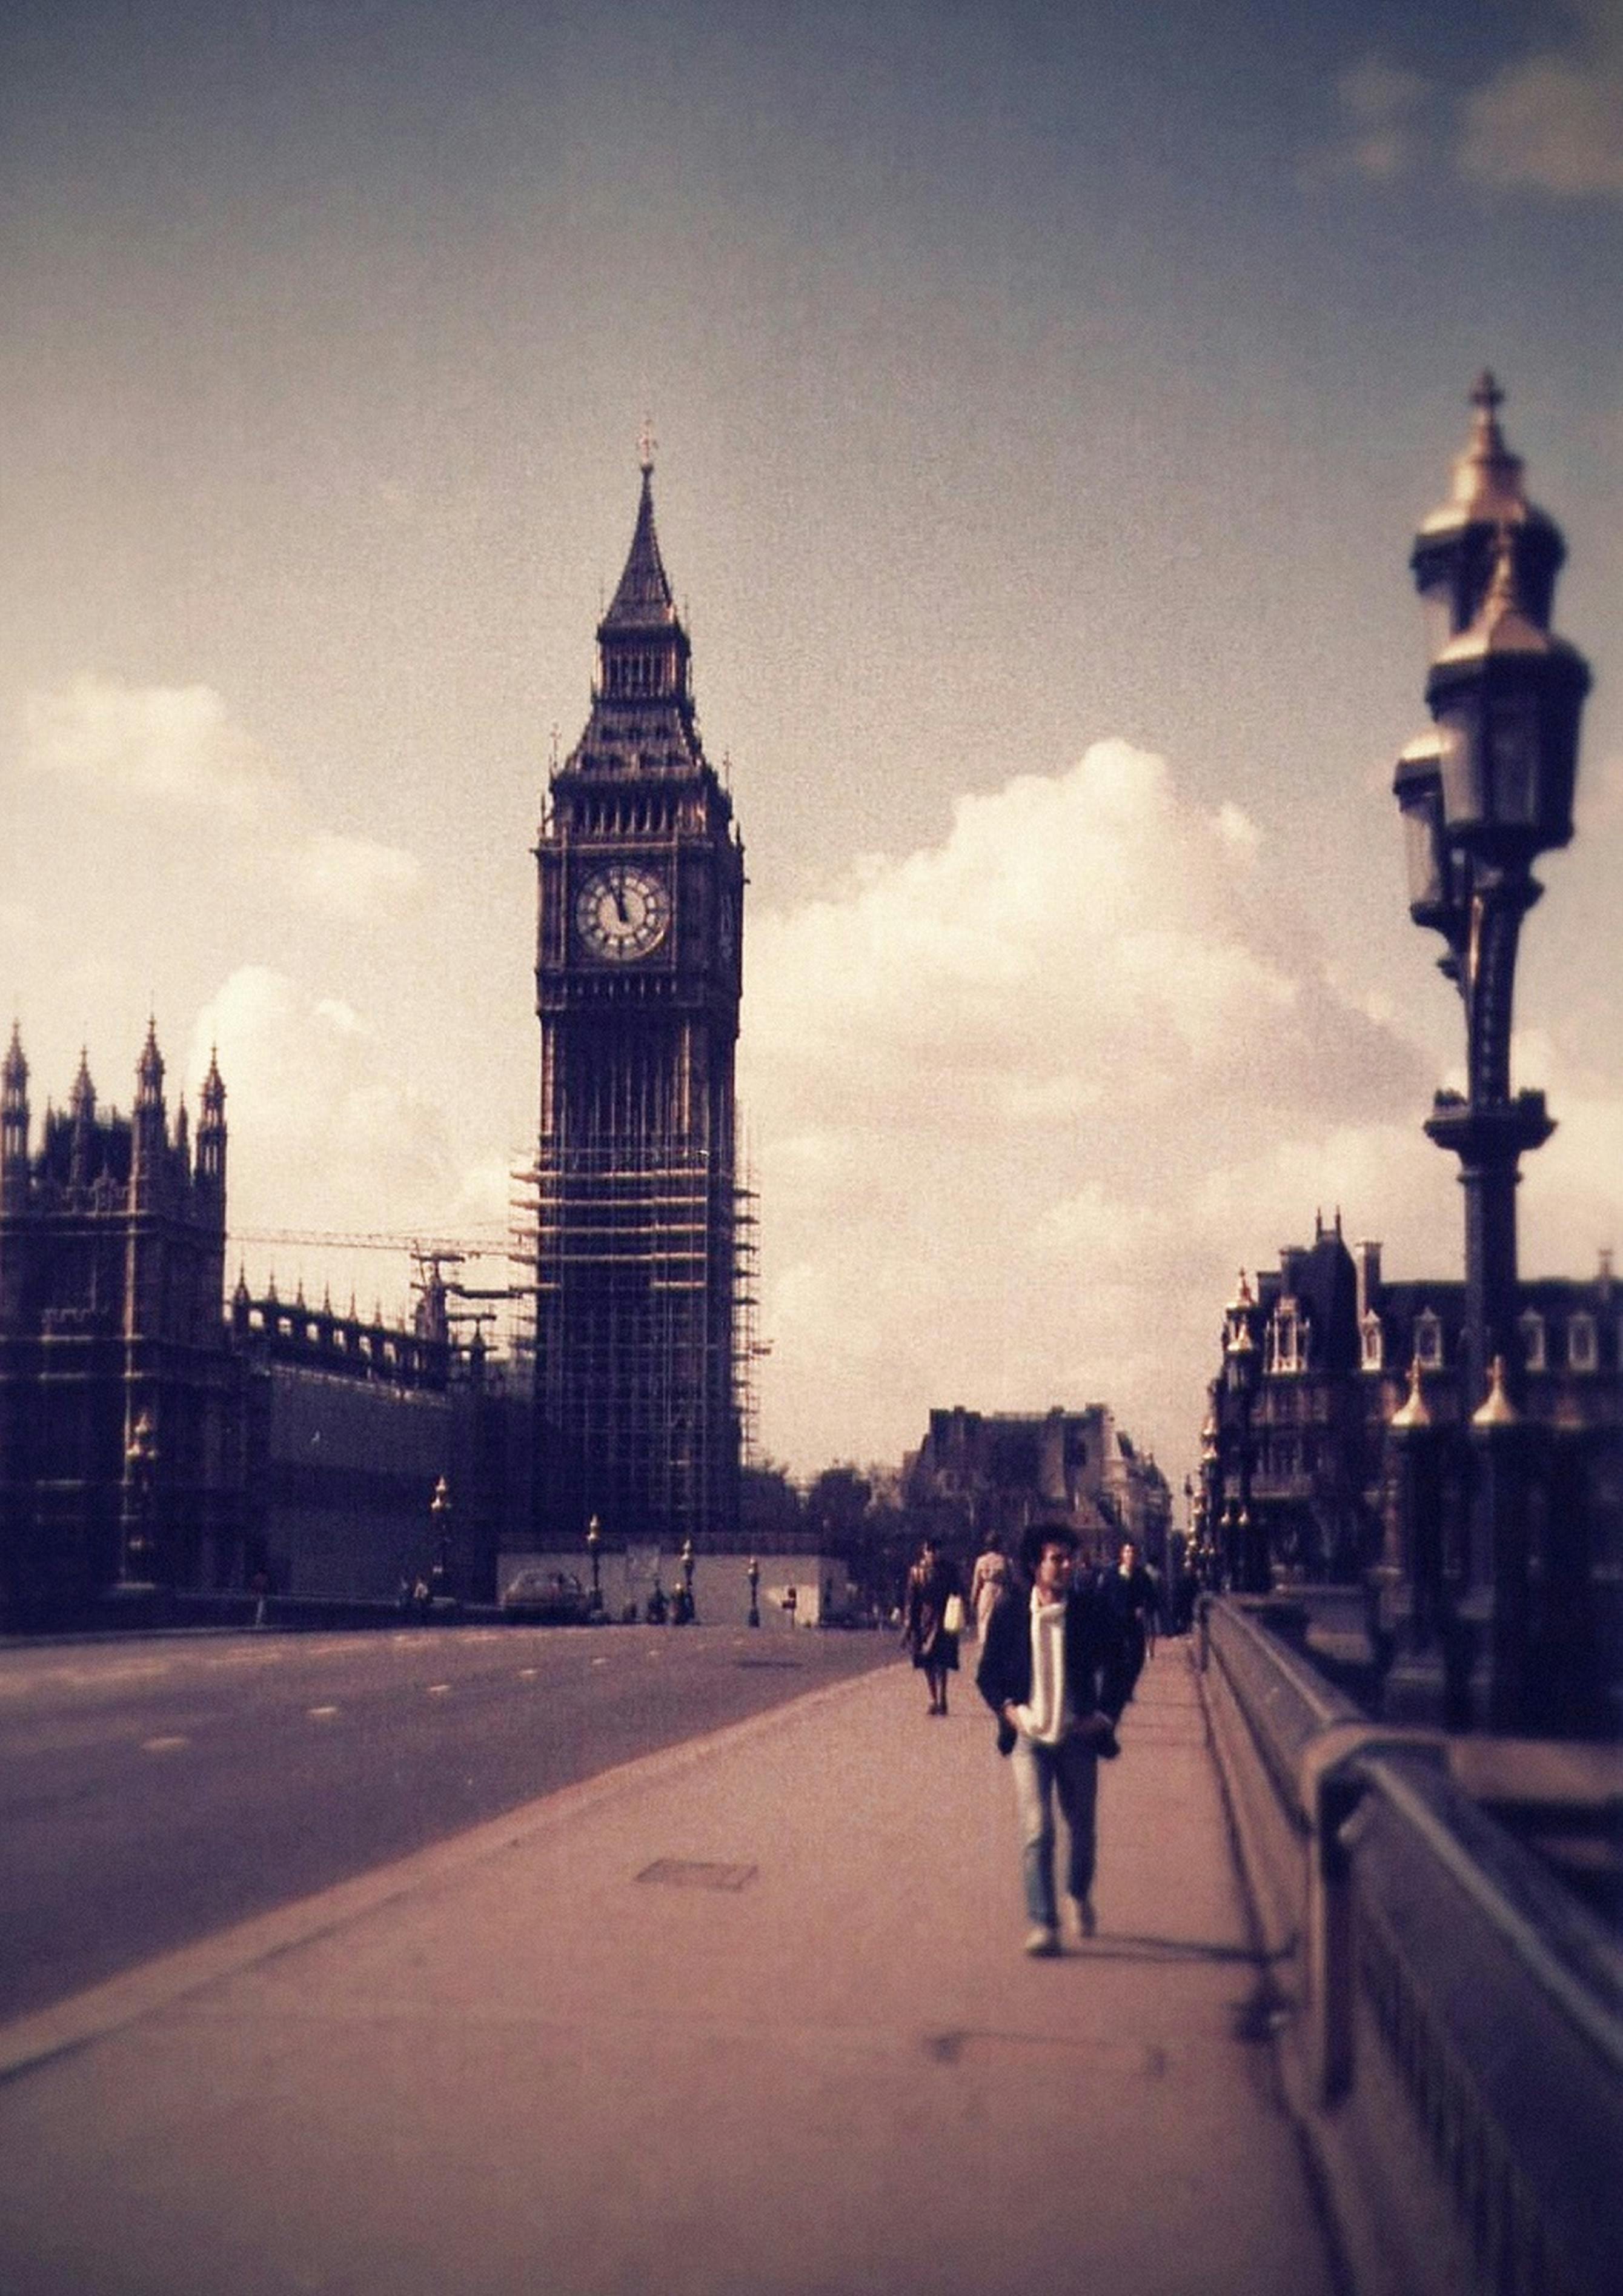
{"x":638,"y":1253}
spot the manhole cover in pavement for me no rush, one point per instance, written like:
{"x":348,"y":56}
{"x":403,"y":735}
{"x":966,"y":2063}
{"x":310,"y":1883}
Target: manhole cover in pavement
{"x":696,"y":1874}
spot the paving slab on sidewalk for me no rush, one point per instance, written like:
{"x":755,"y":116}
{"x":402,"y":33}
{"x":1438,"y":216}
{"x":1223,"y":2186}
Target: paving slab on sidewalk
{"x":747,"y":2017}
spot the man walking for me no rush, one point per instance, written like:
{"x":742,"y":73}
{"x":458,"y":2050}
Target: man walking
{"x":1053,"y":1670}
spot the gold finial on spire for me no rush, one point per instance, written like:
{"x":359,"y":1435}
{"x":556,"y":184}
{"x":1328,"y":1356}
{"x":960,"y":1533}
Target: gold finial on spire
{"x":645,"y":446}
{"x":1486,"y":477}
{"x":1487,"y":397}
{"x":1496,"y":1410}
{"x":1413,"y":1411}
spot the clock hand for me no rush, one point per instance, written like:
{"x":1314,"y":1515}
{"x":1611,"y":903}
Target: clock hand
{"x":619,"y":902}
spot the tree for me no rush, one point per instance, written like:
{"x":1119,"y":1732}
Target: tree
{"x":836,"y":1507}
{"x":771,"y":1509}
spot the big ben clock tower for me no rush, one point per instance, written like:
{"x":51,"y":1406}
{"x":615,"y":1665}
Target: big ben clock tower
{"x":637,"y":980}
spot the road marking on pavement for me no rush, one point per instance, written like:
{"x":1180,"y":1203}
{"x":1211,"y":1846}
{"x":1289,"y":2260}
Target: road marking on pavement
{"x":320,"y":1713}
{"x":439,"y":1690}
{"x":600,"y":1662}
{"x":163,"y":1745}
{"x":528,"y":1673}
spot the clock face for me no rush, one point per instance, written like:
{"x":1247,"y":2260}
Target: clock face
{"x":622,"y":911}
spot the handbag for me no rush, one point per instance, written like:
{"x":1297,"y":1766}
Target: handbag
{"x":952,"y":1617}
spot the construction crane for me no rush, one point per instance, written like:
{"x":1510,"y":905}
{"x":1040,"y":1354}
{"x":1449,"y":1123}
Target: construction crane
{"x":429,"y":1256}
{"x":346,"y":1240}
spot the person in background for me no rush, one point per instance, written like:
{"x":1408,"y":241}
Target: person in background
{"x":988,"y":1581}
{"x":932,"y":1583}
{"x":1130,"y":1593}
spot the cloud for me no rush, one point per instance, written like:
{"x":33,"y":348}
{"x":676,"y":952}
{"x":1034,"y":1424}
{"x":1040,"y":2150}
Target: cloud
{"x":174,"y":744}
{"x":1068,"y":931}
{"x":322,"y":1128}
{"x":1550,"y":122}
{"x":1553,"y":123}
{"x":1382,"y":107}
{"x":177,"y":750}
{"x":353,"y":877}
{"x":1021,"y":1100}
{"x":1570,"y":1204}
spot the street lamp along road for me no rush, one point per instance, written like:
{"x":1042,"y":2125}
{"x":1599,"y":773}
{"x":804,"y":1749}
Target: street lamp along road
{"x":439,"y":1539}
{"x":594,"y":1539}
{"x":1481,"y":795}
{"x":137,"y":1542}
{"x":1247,"y":1563}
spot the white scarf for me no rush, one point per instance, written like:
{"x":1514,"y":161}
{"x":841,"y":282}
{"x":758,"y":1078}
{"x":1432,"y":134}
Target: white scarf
{"x":1043,"y":1718}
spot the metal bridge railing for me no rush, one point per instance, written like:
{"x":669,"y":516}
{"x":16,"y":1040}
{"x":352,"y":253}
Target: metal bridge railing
{"x":1435,"y":1962}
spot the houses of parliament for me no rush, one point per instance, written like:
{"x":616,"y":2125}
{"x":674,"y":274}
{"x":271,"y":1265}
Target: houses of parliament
{"x":156,"y":1435}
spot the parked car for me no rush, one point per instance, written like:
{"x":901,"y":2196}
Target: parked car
{"x":545,"y":1598}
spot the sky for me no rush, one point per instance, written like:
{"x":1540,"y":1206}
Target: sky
{"x":1045,"y":397}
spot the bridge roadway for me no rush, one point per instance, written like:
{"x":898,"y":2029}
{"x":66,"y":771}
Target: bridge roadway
{"x":744,"y":2017}
{"x":156,"y":1788}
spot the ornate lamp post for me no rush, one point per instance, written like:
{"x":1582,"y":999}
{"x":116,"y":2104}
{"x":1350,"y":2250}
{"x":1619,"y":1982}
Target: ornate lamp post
{"x":594,"y":1537}
{"x":754,"y":1576}
{"x":137,"y":1544}
{"x":1248,"y":1567}
{"x":1210,"y":1502}
{"x":439,"y":1537}
{"x":1482,"y":797}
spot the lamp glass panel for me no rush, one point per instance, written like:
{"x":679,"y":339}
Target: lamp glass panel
{"x":1422,"y":850}
{"x":1512,"y":762}
{"x":1460,"y":763}
{"x":1437,"y":614}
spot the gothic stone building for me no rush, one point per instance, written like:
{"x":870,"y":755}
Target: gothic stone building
{"x":638,"y":978}
{"x":154,"y":1443}
{"x":1329,"y":1347}
{"x":119,"y":1435}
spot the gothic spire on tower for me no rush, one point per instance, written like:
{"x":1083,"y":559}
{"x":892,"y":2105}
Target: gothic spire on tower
{"x":643,"y":598}
{"x":149,"y":1071}
{"x":643,"y":715}
{"x":14,"y":1115}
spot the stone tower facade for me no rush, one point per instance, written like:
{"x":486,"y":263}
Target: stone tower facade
{"x":118,"y":1430}
{"x":638,"y":979}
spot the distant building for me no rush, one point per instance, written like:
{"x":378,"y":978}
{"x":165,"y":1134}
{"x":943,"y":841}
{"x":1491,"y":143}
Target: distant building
{"x":982,"y":1472}
{"x":1319,"y":1357}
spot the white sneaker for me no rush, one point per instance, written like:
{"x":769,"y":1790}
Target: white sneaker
{"x":1042,"y":1943}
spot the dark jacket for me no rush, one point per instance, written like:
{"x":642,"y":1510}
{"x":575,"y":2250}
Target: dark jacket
{"x":1097,"y":1660}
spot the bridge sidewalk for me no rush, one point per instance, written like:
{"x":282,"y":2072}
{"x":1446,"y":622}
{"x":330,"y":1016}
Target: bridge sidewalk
{"x":744,"y":2018}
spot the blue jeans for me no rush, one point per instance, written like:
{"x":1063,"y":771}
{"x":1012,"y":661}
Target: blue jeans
{"x":1070,"y":1773}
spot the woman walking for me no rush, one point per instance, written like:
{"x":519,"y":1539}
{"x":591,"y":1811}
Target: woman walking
{"x":929,"y":1629}
{"x":988,"y":1581}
